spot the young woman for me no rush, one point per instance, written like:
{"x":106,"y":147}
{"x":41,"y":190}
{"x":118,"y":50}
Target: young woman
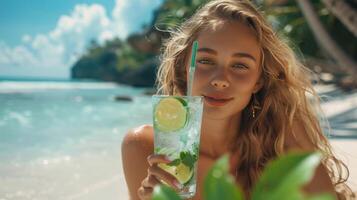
{"x":256,"y":104}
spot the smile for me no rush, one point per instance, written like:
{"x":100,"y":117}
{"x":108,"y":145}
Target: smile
{"x":217,"y":101}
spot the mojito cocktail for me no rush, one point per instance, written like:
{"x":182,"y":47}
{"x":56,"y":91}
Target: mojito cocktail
{"x":177,"y":127}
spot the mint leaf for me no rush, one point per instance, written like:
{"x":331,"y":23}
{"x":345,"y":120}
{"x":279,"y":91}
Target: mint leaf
{"x":188,"y":159}
{"x":195,"y":149}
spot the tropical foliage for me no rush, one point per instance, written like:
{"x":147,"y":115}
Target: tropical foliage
{"x":281,"y":179}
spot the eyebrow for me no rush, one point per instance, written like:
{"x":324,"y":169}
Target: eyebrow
{"x":239,"y":54}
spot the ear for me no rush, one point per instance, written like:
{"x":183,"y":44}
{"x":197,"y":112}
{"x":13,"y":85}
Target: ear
{"x":258,"y":85}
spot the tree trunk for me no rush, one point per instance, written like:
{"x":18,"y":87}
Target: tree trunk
{"x":345,"y":63}
{"x":346,"y":14}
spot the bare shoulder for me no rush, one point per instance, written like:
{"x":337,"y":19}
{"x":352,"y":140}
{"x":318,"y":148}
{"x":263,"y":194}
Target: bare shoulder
{"x":141,"y":137}
{"x":299,"y":138}
{"x":136,"y":146}
{"x":138,"y":142}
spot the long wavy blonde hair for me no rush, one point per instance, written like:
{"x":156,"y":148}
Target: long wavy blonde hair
{"x":285,"y":96}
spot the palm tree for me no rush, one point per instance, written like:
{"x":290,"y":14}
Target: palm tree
{"x":345,"y":63}
{"x":344,"y":12}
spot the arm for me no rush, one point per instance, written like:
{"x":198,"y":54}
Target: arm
{"x":321,"y":181}
{"x":140,"y":164}
{"x":137,"y":145}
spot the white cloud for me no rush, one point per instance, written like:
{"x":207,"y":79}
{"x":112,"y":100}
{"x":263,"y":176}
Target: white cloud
{"x":127,"y":12}
{"x":15,"y":56}
{"x":4,"y":53}
{"x":119,"y":25}
{"x":26,"y":38}
{"x":62,"y":46}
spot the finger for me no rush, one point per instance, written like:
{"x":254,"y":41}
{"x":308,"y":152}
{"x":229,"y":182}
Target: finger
{"x":162,"y":175}
{"x":150,"y":182}
{"x":145,"y":193}
{"x":157,"y":158}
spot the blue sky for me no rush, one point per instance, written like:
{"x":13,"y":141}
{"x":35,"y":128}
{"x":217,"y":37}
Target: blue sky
{"x":43,"y":38}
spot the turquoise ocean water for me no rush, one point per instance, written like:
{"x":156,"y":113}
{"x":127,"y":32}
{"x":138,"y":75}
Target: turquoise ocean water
{"x":61,"y":139}
{"x":65,"y":114}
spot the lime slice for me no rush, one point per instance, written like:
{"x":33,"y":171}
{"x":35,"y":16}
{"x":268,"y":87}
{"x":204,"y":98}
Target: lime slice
{"x":182,"y":172}
{"x":170,"y":114}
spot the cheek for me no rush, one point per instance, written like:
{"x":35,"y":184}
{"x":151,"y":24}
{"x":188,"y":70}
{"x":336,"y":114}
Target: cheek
{"x":245,"y":81}
{"x":242,"y":100}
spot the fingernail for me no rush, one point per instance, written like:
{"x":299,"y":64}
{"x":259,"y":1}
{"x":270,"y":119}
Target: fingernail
{"x":168,"y":158}
{"x":178,"y":185}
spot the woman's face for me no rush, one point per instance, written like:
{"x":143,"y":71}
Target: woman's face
{"x":227,"y":69}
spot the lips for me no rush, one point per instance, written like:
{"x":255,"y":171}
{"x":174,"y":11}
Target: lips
{"x":217,"y":100}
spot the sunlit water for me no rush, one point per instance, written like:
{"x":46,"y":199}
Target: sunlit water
{"x":61,"y":140}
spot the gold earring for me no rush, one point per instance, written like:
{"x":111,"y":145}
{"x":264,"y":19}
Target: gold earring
{"x":255,"y":105}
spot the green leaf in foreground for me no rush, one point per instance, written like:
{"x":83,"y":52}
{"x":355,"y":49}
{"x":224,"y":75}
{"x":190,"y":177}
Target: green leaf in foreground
{"x":320,"y":197}
{"x":163,"y":192}
{"x":219,"y":184}
{"x":285,"y":176}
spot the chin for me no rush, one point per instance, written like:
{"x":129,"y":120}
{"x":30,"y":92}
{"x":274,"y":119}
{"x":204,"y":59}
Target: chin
{"x":218,"y":113}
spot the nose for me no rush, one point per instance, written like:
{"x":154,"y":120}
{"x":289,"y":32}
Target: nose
{"x":220,"y":84}
{"x":220,"y":81}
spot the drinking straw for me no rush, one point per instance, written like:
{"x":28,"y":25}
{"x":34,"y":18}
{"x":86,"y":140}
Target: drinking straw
{"x":191,"y":71}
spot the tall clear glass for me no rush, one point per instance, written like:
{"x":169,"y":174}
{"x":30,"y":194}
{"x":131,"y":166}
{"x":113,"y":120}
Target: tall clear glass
{"x":177,"y":128}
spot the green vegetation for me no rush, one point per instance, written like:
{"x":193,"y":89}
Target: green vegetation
{"x":281,"y":179}
{"x":287,"y":18}
{"x":135,"y":60}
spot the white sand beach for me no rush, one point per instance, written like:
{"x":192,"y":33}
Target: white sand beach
{"x":346,"y":151}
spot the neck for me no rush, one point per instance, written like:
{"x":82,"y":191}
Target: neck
{"x":218,"y":134}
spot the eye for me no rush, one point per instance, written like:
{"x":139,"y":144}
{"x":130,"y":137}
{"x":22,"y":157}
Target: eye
{"x":239,"y":66}
{"x":205,"y":61}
